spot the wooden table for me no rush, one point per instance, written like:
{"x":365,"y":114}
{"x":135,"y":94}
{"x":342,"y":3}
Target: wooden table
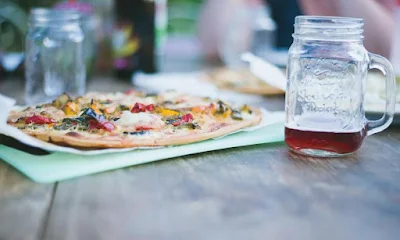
{"x":256,"y":192}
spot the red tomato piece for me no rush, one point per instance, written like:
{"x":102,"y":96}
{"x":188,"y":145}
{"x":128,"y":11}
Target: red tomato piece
{"x":39,"y":120}
{"x":150,"y":107}
{"x":187,"y":117}
{"x":93,"y":124}
{"x":138,"y":107}
{"x":143,"y":128}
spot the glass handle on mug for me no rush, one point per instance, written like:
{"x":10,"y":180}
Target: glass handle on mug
{"x":382,"y":64}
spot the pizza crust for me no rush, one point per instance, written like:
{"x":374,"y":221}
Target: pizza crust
{"x":94,"y":141}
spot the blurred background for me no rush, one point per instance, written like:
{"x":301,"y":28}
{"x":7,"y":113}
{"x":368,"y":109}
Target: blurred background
{"x":132,"y":39}
{"x":160,"y":35}
{"x":146,"y":35}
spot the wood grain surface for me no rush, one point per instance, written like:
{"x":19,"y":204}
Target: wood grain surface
{"x":256,"y":192}
{"x":259,"y":192}
{"x":24,"y":205}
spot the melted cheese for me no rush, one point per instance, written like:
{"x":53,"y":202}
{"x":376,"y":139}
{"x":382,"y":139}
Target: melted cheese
{"x":144,"y":119}
{"x":246,"y":115}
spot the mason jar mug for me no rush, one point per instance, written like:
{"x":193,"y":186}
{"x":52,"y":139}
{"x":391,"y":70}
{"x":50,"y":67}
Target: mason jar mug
{"x":326,"y":78}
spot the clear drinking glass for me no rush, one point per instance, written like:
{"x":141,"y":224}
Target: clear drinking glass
{"x":55,"y":60}
{"x":12,"y":34}
{"x":326,"y":73}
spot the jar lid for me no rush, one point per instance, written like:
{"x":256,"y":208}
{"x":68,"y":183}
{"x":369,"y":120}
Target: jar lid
{"x":53,"y":16}
{"x":328,"y":28}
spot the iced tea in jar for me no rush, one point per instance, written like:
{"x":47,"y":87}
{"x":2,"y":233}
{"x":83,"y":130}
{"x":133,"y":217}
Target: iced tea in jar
{"x":326,"y":75}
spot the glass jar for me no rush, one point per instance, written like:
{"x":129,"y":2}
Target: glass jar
{"x":55,"y":61}
{"x":12,"y":34}
{"x":326,"y":73}
{"x":90,"y":26}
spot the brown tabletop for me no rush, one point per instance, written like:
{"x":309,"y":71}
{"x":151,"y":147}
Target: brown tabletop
{"x":256,"y":192}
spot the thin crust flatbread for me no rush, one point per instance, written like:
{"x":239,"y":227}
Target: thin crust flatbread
{"x":170,"y":119}
{"x":95,"y":141}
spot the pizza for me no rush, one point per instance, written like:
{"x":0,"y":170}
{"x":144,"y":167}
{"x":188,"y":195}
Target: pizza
{"x":240,"y":80}
{"x":132,"y":119}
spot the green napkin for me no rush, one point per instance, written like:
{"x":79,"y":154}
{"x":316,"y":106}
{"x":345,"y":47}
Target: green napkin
{"x":60,"y":166}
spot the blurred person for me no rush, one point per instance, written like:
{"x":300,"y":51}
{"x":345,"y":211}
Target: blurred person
{"x":377,"y":15}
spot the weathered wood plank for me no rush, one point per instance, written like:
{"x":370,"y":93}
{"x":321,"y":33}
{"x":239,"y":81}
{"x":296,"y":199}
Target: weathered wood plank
{"x":23,"y":205}
{"x":259,"y":192}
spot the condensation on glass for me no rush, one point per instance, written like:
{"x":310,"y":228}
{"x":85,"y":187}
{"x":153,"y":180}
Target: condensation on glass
{"x":55,"y":61}
{"x":326,"y":73}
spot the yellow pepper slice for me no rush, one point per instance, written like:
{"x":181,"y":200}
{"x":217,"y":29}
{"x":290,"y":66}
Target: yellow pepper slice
{"x":168,"y":112}
{"x":95,"y":108}
{"x":70,"y":108}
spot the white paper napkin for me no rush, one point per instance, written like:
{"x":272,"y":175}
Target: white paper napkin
{"x":266,"y":71}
